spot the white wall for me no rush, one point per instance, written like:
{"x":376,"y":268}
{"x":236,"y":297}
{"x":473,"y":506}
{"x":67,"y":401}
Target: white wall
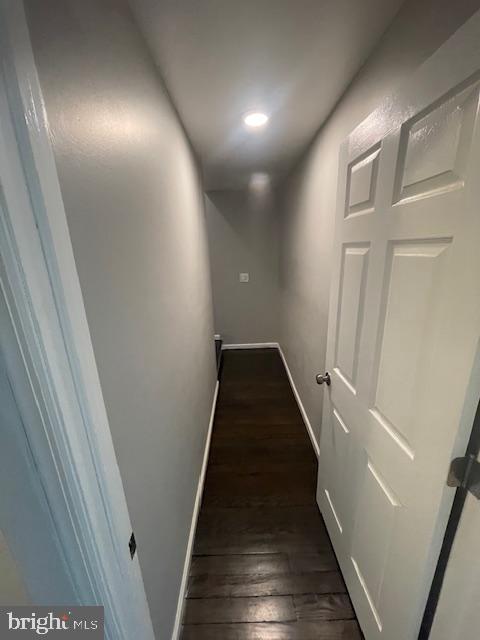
{"x":308,"y":197}
{"x":243,"y":237}
{"x":135,"y":211}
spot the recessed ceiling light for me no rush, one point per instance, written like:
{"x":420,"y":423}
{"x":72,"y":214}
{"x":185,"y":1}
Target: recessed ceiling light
{"x":255,"y":119}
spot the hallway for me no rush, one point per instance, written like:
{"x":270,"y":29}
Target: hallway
{"x":297,"y":180}
{"x":263,"y":567}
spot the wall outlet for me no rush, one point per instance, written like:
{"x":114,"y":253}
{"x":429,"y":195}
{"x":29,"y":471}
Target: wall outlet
{"x":244,"y":277}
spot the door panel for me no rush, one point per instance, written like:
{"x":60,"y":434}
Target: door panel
{"x":340,"y":443}
{"x":350,"y":313}
{"x":435,"y":146}
{"x":412,"y":284}
{"x":361,"y":183}
{"x":403,"y":332}
{"x":372,"y":535}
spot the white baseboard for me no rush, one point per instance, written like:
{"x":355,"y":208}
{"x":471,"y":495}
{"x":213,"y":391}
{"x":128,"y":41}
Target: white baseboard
{"x":252,"y":345}
{"x":198,"y":499}
{"x":300,"y":404}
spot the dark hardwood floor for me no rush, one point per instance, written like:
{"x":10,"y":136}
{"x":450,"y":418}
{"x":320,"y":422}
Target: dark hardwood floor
{"x":263,"y":567}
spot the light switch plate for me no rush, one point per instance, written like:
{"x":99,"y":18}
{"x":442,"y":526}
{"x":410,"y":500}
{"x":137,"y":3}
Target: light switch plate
{"x":244,"y":277}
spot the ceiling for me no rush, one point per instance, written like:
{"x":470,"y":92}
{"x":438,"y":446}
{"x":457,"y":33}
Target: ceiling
{"x":291,"y":59}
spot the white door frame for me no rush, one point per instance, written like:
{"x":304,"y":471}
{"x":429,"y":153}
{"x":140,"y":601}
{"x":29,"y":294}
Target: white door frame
{"x":40,"y":283}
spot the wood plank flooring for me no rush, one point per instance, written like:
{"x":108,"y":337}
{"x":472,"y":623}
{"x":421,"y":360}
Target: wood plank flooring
{"x":263,"y":567}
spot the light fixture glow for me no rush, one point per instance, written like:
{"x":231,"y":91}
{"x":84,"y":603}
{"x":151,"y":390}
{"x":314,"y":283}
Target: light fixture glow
{"x":255,"y":119}
{"x":259,"y":181}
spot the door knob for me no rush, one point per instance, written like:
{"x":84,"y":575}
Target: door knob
{"x":325,"y":378}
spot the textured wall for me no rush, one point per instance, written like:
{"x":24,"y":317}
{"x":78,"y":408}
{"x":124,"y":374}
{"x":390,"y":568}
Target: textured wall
{"x":309,"y":196}
{"x":243,"y":236}
{"x":135,"y":211}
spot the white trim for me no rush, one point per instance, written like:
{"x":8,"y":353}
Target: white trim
{"x":252,"y":345}
{"x":198,"y":500}
{"x":300,"y":404}
{"x":78,"y":468}
{"x":217,"y":336}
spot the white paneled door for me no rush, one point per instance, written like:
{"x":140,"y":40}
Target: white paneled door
{"x":404,"y":330}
